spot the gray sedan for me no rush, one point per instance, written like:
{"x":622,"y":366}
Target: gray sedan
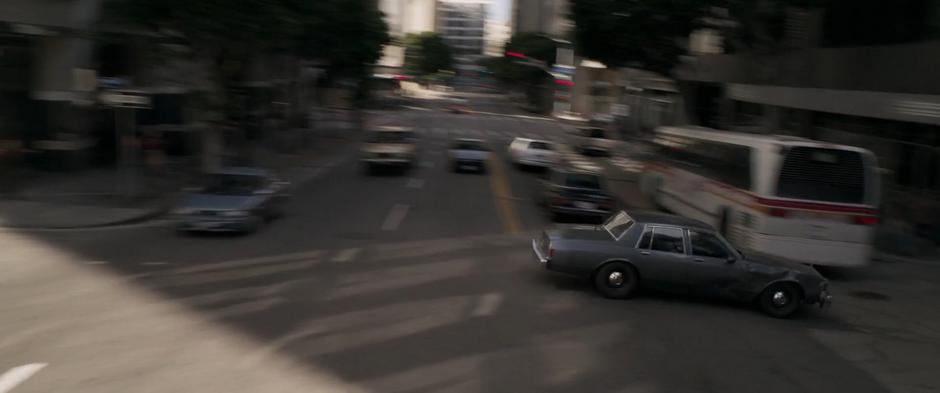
{"x":232,"y":200}
{"x":672,"y":253}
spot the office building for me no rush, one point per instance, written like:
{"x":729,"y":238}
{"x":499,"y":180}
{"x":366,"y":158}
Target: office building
{"x":462,"y":25}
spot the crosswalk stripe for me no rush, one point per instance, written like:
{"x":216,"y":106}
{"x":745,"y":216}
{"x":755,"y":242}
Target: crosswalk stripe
{"x":346,"y":255}
{"x":248,"y":262}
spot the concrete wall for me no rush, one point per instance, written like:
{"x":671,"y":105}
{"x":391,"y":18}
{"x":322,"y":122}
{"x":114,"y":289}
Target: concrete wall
{"x":542,"y":16}
{"x":908,"y":68}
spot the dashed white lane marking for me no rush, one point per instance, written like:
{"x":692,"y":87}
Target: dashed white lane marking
{"x":345,"y":255}
{"x":17,"y":375}
{"x":395,"y":217}
{"x":487,"y":305}
{"x":155,"y":263}
{"x":415,"y":183}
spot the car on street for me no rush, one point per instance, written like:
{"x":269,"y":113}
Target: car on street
{"x":593,"y":141}
{"x":236,"y":199}
{"x":525,"y":152}
{"x":666,"y":252}
{"x":469,"y":154}
{"x":576,"y":194}
{"x":390,"y":147}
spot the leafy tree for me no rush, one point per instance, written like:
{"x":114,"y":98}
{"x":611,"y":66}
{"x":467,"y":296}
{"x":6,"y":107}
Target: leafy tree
{"x":427,"y":53}
{"x":346,"y":34}
{"x":533,"y":45}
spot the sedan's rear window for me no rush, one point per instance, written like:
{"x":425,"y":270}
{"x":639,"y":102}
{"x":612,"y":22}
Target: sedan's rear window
{"x":540,"y":146}
{"x":391,"y":137}
{"x":469,"y":146}
{"x":581,"y":180}
{"x":618,"y":224}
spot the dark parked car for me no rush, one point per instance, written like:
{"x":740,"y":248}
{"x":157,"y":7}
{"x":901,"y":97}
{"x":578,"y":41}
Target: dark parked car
{"x":593,"y":141}
{"x":656,"y":250}
{"x":232,"y":200}
{"x":576,"y":194}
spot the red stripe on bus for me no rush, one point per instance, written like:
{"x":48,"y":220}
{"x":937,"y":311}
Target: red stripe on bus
{"x":784,"y":203}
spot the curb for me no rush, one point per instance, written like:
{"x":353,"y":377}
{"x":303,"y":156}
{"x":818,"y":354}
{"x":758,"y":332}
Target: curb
{"x":892,"y":258}
{"x":143,"y":217}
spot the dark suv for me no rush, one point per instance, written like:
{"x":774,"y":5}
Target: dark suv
{"x":576,"y":194}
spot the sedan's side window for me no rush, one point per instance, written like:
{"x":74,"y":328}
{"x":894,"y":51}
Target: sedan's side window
{"x":644,"y":243}
{"x":668,"y":240}
{"x":707,"y":245}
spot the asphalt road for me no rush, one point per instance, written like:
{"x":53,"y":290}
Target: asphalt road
{"x":420,"y":282}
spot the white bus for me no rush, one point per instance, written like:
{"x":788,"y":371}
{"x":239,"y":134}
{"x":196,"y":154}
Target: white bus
{"x":801,"y":199}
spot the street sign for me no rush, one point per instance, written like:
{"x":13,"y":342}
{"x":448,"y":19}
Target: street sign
{"x":125,"y":99}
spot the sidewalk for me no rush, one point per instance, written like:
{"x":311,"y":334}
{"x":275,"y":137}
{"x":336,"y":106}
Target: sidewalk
{"x":87,"y":198}
{"x":97,"y":197}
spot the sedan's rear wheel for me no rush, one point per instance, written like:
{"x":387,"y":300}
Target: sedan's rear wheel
{"x":616,"y":280}
{"x":781,"y":300}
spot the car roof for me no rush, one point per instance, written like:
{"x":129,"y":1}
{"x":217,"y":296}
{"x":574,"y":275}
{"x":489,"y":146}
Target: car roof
{"x":657,"y":218}
{"x":242,"y":170}
{"x":520,"y":139}
{"x":392,"y":128}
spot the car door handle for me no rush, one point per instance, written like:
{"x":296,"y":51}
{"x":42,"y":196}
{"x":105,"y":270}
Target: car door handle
{"x":644,"y":253}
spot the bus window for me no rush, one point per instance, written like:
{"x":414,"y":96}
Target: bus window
{"x":724,"y":162}
{"x":821,"y":174}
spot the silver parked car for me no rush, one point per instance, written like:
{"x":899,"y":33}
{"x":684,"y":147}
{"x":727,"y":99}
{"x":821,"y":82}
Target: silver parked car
{"x":232,"y":200}
{"x":656,"y":250}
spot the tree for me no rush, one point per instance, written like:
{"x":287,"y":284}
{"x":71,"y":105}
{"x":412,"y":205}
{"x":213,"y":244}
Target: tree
{"x":533,"y":45}
{"x":346,"y":34}
{"x":645,"y":34}
{"x":426,"y":53}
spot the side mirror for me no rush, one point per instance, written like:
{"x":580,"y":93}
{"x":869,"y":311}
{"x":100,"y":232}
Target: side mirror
{"x":730,"y":259}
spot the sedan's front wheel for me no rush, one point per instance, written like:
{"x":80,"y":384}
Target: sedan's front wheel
{"x":781,"y":300}
{"x":616,"y":280}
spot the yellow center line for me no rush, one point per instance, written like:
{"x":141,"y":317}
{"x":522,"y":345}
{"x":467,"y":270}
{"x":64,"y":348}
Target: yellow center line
{"x":502,"y":196}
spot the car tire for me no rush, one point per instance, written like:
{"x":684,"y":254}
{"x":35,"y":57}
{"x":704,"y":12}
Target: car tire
{"x":781,"y":300}
{"x":616,"y":280}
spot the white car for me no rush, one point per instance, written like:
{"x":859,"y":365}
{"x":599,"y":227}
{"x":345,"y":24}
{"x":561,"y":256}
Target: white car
{"x":533,"y":152}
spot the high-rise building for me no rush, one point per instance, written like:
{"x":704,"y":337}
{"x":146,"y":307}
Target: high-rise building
{"x":462,"y":25}
{"x":541,"y":16}
{"x":497,"y":33}
{"x":404,"y":17}
{"x":408,"y":16}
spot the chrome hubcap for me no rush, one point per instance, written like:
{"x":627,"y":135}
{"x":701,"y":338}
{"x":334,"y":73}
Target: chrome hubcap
{"x":615,"y":279}
{"x":780,"y":298}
